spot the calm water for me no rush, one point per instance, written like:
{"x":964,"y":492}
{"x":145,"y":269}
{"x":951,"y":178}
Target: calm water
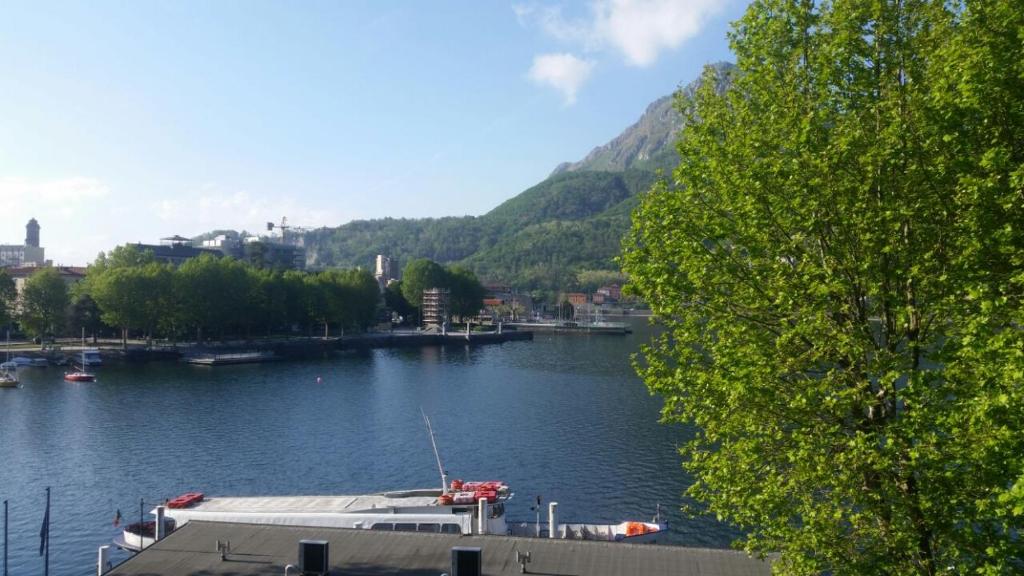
{"x":562,"y":416}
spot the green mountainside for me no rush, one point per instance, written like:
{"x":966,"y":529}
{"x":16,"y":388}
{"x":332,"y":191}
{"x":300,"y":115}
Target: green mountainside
{"x":541,"y":238}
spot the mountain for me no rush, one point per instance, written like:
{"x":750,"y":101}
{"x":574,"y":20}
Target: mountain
{"x":643,"y":144}
{"x":540,"y":239}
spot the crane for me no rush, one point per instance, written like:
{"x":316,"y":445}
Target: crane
{"x":284,"y":227}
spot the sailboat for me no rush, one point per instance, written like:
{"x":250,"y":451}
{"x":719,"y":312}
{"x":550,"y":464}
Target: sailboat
{"x":9,"y":370}
{"x":80,"y":375}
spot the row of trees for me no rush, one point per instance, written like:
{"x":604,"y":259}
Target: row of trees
{"x":218,"y":297}
{"x":838,"y":262}
{"x":204,"y":297}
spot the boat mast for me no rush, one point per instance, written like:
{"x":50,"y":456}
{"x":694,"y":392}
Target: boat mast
{"x":437,"y":456}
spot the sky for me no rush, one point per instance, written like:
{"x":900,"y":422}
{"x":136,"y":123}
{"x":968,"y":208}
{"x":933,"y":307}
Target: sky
{"x":130,"y":121}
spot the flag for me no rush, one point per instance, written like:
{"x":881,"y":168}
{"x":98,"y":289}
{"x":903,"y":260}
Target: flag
{"x":44,"y":531}
{"x":117,"y":518}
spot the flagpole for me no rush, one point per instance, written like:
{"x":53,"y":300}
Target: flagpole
{"x":46,"y":565}
{"x":5,"y":537}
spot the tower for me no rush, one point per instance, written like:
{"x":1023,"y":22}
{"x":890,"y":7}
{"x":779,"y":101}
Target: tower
{"x":32,"y":233}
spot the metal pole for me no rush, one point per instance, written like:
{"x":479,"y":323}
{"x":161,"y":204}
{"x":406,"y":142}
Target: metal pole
{"x":5,"y":537}
{"x":141,"y":527}
{"x":46,"y":565}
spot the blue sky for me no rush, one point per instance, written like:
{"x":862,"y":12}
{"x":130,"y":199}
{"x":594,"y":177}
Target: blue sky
{"x":129,"y":121}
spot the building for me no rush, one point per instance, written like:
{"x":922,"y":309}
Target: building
{"x":611,"y":293}
{"x":262,"y":252}
{"x":28,"y":254}
{"x":576,"y":298}
{"x":175,"y":250}
{"x":69,"y":274}
{"x":435,"y":307}
{"x":384,"y":270}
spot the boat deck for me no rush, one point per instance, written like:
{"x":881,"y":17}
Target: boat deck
{"x":320,"y":504}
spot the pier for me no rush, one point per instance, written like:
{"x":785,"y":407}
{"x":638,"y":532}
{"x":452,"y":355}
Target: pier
{"x":269,"y":549}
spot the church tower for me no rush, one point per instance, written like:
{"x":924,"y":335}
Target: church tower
{"x":32,"y":233}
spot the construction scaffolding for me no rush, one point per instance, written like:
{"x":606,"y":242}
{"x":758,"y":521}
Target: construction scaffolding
{"x":435,"y":307}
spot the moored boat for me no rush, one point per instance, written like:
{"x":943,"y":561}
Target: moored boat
{"x":81,"y":374}
{"x":8,"y":379}
{"x":135,"y":537}
{"x":8,"y":370}
{"x":460,"y":508}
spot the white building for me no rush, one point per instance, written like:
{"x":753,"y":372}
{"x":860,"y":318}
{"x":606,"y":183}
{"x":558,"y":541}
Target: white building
{"x":28,"y":254}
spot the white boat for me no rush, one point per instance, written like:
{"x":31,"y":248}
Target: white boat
{"x":91,"y":357}
{"x":456,"y":508}
{"x":8,"y":370}
{"x":140,"y":535}
{"x":463,"y":508}
{"x":631,"y":531}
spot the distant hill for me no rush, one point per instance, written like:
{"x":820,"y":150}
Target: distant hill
{"x":540,"y":239}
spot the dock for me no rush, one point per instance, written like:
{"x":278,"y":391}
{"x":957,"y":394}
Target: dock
{"x":609,"y":328}
{"x":267,"y":549}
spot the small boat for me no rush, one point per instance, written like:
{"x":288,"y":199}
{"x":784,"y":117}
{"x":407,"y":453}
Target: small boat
{"x":39,"y":363}
{"x":631,"y":531}
{"x":8,"y":370}
{"x":135,"y":537}
{"x":80,"y":375}
{"x":21,"y":361}
{"x":91,"y":357}
{"x":8,"y":379}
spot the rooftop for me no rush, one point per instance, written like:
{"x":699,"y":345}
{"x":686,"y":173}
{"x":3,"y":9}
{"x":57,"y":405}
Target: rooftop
{"x":267,"y":549}
{"x":315,"y":503}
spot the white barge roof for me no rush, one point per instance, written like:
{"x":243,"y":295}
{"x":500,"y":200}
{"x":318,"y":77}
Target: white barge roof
{"x":355,"y":503}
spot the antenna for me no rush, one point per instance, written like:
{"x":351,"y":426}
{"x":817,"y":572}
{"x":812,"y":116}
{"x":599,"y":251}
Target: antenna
{"x":433,"y":442}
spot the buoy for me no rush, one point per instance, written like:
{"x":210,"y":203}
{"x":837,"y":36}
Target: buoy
{"x":319,"y":380}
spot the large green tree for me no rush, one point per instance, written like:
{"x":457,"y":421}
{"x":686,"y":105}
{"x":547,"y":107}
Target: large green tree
{"x":467,"y":293}
{"x":838,"y":262}
{"x":8,"y":294}
{"x":420,"y":275}
{"x":43,"y":303}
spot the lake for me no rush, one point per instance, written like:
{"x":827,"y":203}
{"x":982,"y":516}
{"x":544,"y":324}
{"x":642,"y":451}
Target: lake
{"x":563,"y":417}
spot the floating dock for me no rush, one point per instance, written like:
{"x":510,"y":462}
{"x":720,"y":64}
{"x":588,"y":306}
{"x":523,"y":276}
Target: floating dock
{"x":268,"y":549}
{"x":612,"y":328}
{"x":223,"y":359}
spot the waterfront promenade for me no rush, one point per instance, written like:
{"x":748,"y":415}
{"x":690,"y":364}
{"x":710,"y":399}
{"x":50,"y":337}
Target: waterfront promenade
{"x":282,"y":347}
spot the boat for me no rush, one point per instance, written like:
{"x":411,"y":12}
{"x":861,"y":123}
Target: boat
{"x":630,"y":531}
{"x":249,"y":357}
{"x":91,"y":357}
{"x":8,"y":379}
{"x":135,"y":537}
{"x":8,"y":370}
{"x":39,"y":362}
{"x":456,"y":507}
{"x":81,"y":374}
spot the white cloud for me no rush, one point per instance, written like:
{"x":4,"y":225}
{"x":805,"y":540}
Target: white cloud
{"x":24,"y":191}
{"x":639,"y":30}
{"x":563,"y":72}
